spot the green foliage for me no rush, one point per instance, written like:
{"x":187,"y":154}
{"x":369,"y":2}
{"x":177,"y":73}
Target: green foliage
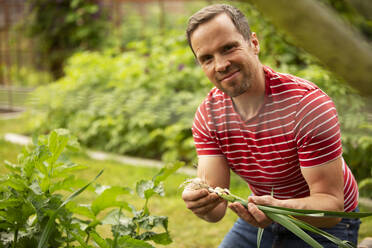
{"x":140,"y":102}
{"x":33,"y":214}
{"x":62,"y":27}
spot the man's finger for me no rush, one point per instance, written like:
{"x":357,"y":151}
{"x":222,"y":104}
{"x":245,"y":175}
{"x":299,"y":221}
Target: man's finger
{"x":194,"y":195}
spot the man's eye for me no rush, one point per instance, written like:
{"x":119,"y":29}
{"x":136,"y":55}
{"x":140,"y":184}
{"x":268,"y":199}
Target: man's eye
{"x":206,"y":59}
{"x":228,"y":48}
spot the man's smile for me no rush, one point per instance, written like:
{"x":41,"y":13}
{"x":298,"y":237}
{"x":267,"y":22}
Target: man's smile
{"x":229,"y":76}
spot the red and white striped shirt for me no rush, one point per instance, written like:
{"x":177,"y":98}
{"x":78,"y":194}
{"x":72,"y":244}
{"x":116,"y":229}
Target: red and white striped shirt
{"x":296,"y":127}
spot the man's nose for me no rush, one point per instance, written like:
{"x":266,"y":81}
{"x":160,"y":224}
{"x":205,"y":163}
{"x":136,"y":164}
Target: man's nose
{"x":221,"y":63}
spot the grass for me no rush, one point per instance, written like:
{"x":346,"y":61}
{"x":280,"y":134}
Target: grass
{"x":186,"y":230}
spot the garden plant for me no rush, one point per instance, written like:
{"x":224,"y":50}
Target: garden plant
{"x":34,"y":214}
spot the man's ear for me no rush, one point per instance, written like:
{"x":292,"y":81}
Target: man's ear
{"x":255,"y":43}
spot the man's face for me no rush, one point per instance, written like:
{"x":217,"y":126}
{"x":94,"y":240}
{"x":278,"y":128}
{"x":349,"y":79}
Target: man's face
{"x":228,"y":60}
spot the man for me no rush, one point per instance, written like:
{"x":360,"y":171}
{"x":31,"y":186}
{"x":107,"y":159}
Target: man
{"x":278,"y":132}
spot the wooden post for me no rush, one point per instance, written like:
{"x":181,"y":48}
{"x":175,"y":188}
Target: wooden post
{"x":7,"y":55}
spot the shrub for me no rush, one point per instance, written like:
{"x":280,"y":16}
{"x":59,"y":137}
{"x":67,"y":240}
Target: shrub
{"x":140,"y":102}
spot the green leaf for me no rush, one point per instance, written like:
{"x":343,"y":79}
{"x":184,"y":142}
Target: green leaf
{"x":144,"y":188}
{"x":149,"y":222}
{"x":84,"y":210}
{"x":14,"y":168}
{"x":259,"y":236}
{"x":306,"y":226}
{"x":50,"y":225}
{"x":68,"y":184}
{"x":15,"y":183}
{"x":108,"y":199}
{"x":284,"y":221}
{"x":129,"y":242}
{"x":159,"y":238}
{"x":99,"y":240}
{"x":57,"y":142}
{"x":79,"y":238}
{"x":6,"y":203}
{"x":324,"y":213}
{"x":35,"y":188}
{"x":166,"y":171}
{"x":287,"y":211}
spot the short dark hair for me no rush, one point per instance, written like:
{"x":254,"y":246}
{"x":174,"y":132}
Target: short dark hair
{"x":207,"y":13}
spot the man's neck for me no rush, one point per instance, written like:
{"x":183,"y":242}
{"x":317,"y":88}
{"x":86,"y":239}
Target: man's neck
{"x":249,"y":103}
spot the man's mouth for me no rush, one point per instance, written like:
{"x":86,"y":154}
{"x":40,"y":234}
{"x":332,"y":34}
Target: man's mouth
{"x":228,"y":76}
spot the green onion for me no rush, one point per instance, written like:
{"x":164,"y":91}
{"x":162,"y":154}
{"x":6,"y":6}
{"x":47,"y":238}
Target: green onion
{"x":285,"y":216}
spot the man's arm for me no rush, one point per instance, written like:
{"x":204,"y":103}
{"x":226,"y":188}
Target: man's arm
{"x":209,"y":206}
{"x":326,"y":193}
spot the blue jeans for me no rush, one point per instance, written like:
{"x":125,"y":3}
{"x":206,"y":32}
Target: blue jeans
{"x":243,"y":235}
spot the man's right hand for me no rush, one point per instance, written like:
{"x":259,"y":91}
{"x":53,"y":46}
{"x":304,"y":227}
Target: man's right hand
{"x":201,"y":202}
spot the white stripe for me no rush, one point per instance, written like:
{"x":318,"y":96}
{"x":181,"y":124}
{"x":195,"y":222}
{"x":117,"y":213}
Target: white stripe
{"x":285,"y":178}
{"x":259,"y":160}
{"x":303,"y":118}
{"x":325,"y":147}
{"x":309,"y":159}
{"x":258,"y":147}
{"x":201,"y":126}
{"x":261,"y":171}
{"x":288,"y":193}
{"x":224,"y":123}
{"x":284,"y":100}
{"x":218,"y":101}
{"x":295,"y":82}
{"x":261,"y":166}
{"x":219,"y":109}
{"x":204,"y":143}
{"x":283,"y":92}
{"x":327,"y":138}
{"x":309,"y":103}
{"x":261,"y":153}
{"x":312,"y":120}
{"x":256,"y":132}
{"x":271,"y":120}
{"x":204,"y":120}
{"x":278,"y":110}
{"x":195,"y":127}
{"x":307,"y":134}
{"x":224,"y":115}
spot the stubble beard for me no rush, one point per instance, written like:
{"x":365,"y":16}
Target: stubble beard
{"x":236,"y":88}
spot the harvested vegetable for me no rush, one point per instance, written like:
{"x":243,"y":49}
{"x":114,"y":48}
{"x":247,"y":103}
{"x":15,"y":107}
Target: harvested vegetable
{"x":284,"y":216}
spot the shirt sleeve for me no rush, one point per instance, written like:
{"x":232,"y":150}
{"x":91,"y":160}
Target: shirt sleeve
{"x":204,"y":139}
{"x":317,"y":130}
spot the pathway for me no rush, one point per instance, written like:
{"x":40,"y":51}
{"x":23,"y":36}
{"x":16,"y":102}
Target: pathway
{"x":98,"y":155}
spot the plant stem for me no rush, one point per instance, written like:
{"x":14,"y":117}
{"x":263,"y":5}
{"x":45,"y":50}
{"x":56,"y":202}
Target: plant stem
{"x":15,"y":237}
{"x":88,"y":237}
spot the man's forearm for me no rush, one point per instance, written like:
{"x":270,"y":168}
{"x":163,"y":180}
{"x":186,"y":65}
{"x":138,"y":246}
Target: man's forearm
{"x":318,"y":202}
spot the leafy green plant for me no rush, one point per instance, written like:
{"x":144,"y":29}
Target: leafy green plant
{"x":28,"y":191}
{"x":33,"y":212}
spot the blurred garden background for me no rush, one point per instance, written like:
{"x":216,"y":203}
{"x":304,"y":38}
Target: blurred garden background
{"x":119,"y":75}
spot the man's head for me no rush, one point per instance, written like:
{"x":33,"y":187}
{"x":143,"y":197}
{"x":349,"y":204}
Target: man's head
{"x":225,"y":49}
{"x":209,"y":12}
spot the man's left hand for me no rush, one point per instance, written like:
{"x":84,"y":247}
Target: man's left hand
{"x":252,"y":214}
